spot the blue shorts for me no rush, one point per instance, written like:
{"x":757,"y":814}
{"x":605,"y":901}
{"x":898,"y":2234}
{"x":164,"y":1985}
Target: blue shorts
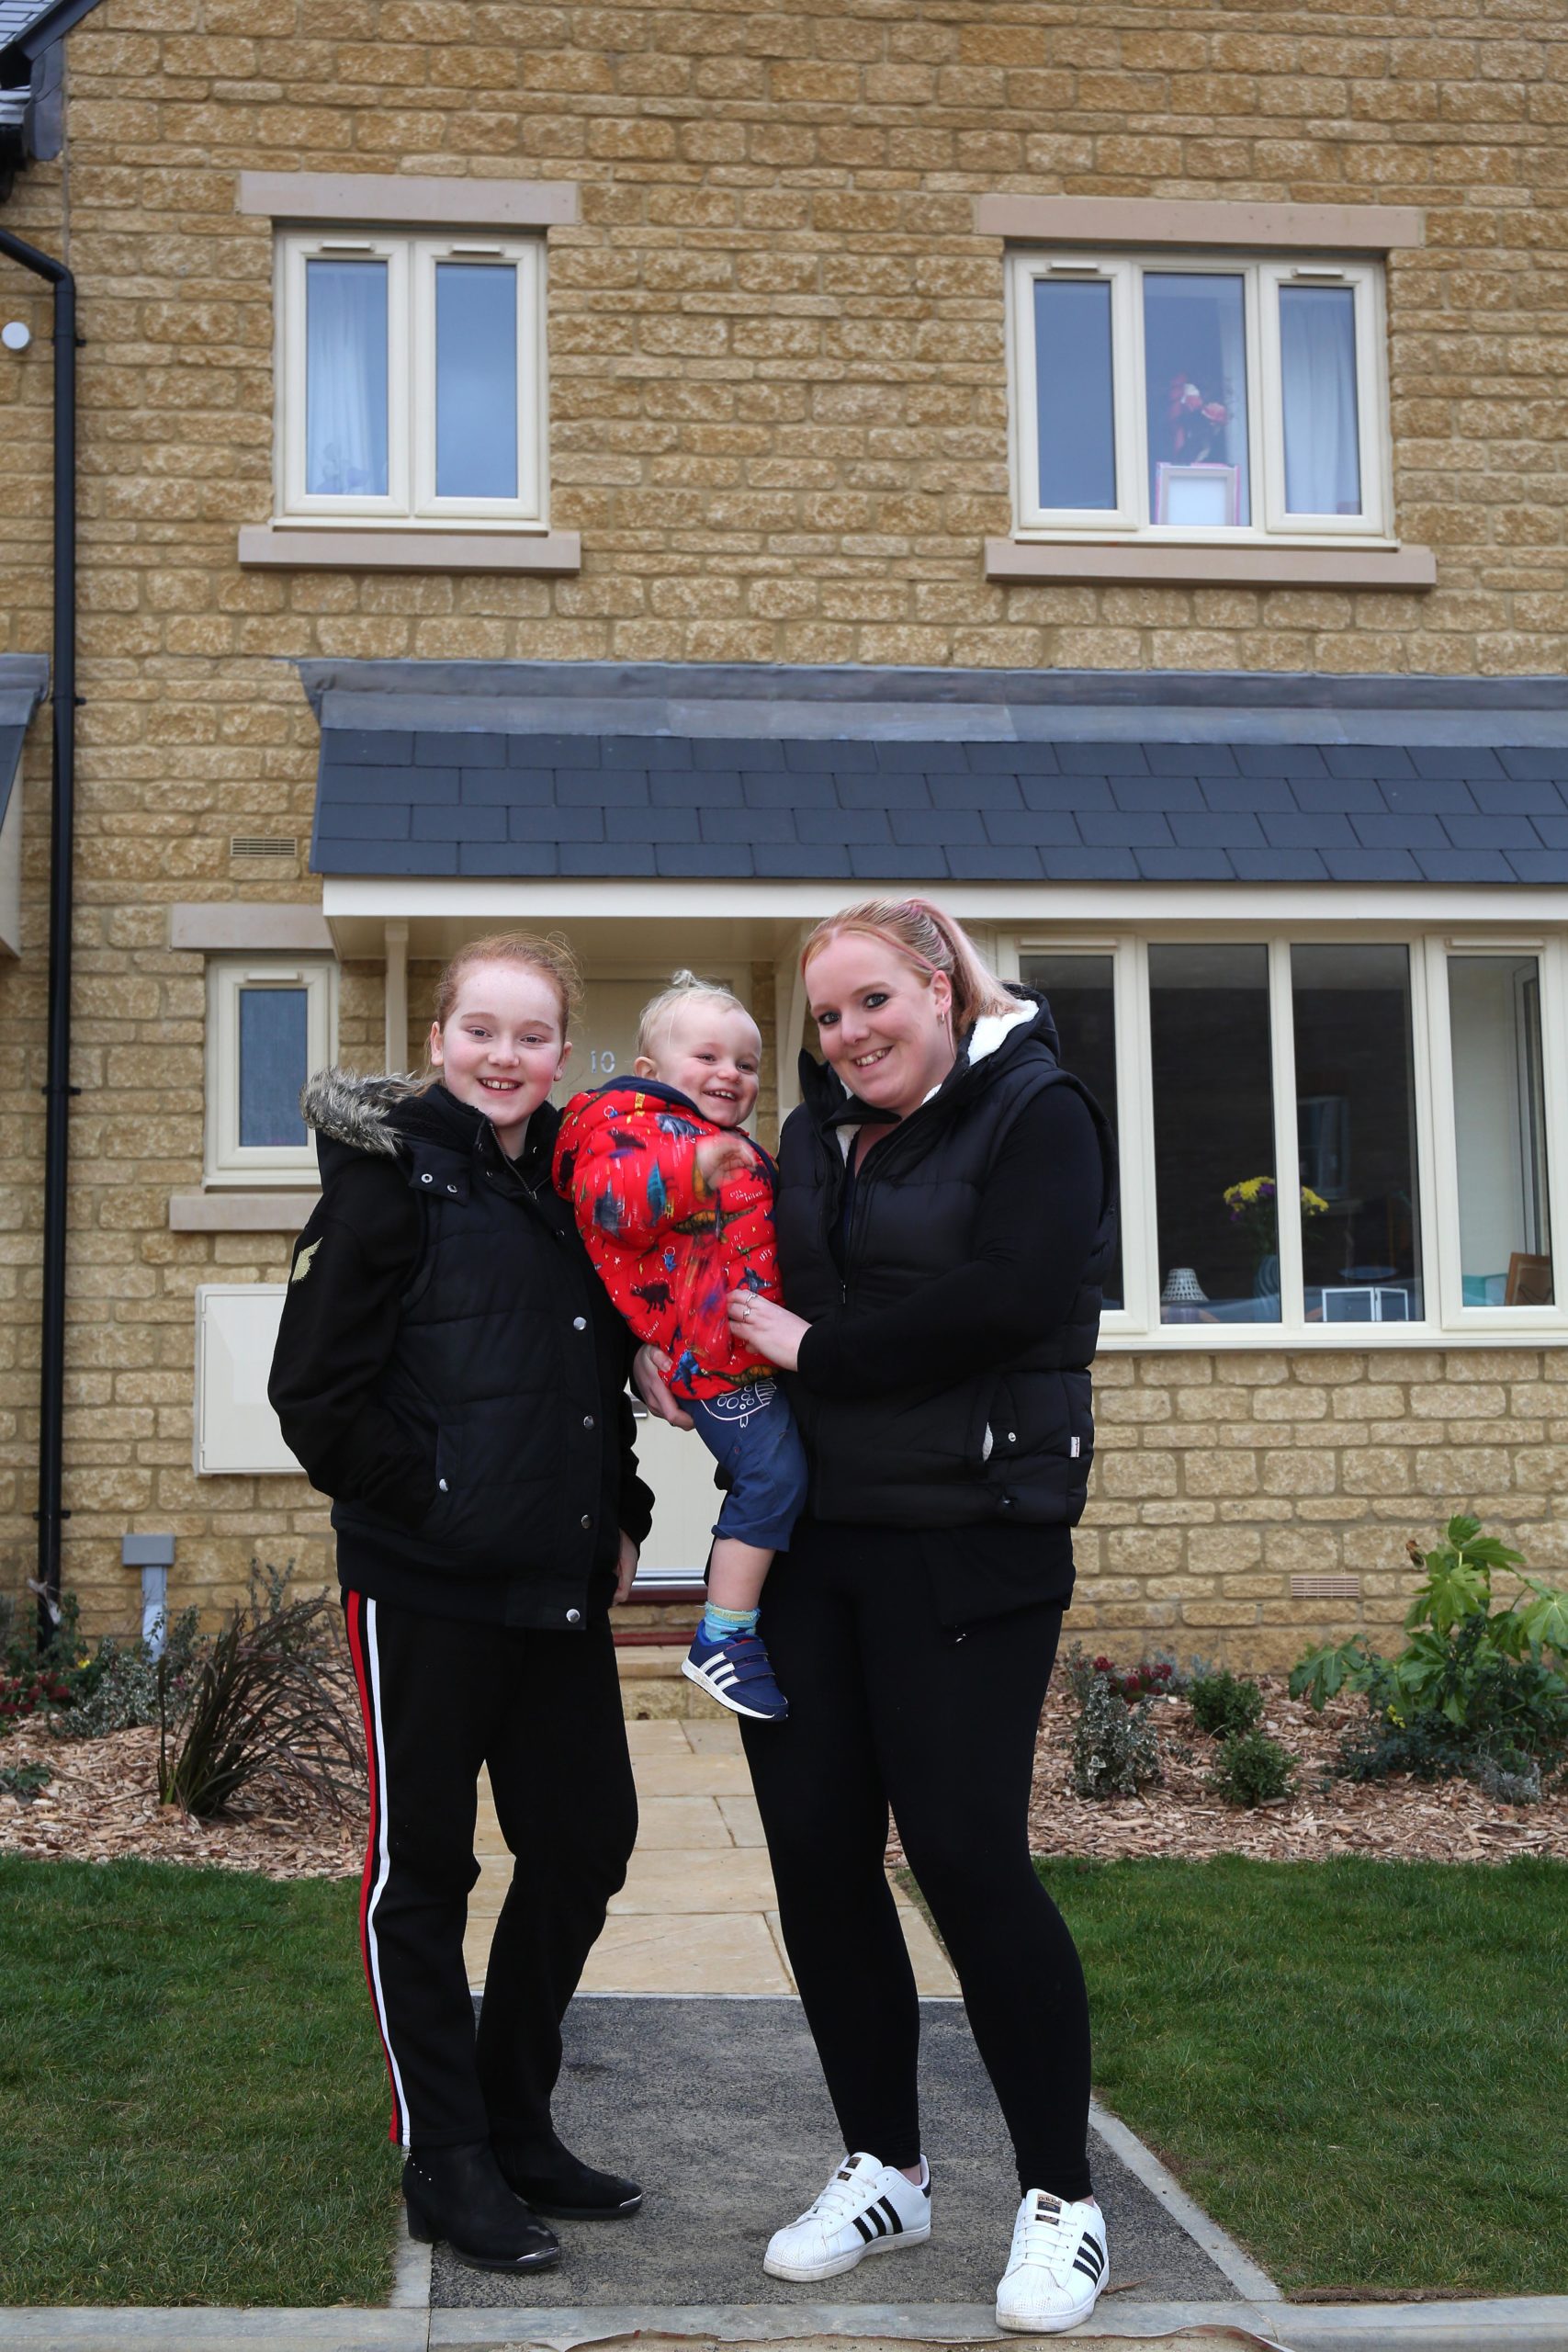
{"x":752,"y":1435}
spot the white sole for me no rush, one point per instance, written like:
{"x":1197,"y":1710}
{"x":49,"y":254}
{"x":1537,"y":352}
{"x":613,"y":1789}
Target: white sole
{"x":752,"y":1714}
{"x":1052,"y":2325}
{"x":803,"y":2273}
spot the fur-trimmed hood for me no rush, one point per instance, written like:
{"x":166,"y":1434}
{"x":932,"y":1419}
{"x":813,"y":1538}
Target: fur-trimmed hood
{"x":354,"y":1108}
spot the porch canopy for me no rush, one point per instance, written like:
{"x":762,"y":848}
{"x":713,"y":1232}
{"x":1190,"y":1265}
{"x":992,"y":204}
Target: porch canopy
{"x":742,"y":802}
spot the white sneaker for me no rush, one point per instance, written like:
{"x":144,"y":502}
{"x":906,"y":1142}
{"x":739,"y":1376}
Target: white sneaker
{"x":866,"y":2208}
{"x":1057,"y":2266}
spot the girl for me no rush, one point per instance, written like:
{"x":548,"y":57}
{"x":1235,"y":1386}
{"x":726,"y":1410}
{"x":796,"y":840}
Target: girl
{"x":945,"y":1217}
{"x":451,"y":1372}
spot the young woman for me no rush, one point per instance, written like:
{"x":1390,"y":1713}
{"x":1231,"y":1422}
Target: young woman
{"x":945,"y":1217}
{"x":451,"y":1372}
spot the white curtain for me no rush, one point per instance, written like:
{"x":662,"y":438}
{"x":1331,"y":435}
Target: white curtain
{"x":345,"y":379}
{"x":1318,"y":359}
{"x":1230,"y":317}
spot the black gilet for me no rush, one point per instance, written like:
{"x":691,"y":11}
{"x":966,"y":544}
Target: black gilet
{"x":1010,"y":1444}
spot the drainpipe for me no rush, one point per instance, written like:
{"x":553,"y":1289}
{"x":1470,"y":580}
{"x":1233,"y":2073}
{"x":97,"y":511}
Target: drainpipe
{"x":58,"y":1089}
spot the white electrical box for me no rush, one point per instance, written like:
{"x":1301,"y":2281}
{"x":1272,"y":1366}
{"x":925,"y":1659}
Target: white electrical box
{"x":236,"y":1428}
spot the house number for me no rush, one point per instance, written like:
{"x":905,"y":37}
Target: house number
{"x":602,"y":1065}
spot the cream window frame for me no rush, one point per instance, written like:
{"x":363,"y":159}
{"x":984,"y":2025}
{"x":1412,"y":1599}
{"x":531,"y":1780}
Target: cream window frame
{"x":1446,"y":1320}
{"x":1129,"y":523}
{"x":228,"y":1162}
{"x":410,"y":501}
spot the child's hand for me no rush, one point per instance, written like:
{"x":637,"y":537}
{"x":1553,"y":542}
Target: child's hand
{"x":625,"y":1567}
{"x":719,"y":1157}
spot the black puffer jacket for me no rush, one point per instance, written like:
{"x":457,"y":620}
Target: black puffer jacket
{"x":449,"y":1370}
{"x":981,"y":1416}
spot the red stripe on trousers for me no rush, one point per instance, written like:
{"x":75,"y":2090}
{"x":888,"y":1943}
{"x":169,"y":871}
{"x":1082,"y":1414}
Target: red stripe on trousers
{"x":356,"y":1614}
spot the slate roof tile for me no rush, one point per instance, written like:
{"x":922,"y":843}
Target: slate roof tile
{"x":507,"y":857}
{"x":479,"y":802}
{"x":995,"y":864}
{"x":439,"y":821}
{"x":703,"y":858}
{"x":1529,"y":797}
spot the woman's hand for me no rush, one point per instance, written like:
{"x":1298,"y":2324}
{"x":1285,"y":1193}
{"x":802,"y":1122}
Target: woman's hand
{"x":625,"y":1567}
{"x":766,"y":1330}
{"x":650,"y":1366}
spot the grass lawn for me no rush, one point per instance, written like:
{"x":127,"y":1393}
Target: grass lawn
{"x":1359,"y":2068}
{"x":195,"y":2098}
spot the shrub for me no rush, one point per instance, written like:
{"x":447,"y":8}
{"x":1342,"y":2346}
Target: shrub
{"x":1223,"y":1704}
{"x":1114,"y":1752}
{"x":25,"y":1780}
{"x":117,"y":1688}
{"x":266,"y":1703}
{"x":1251,"y":1769}
{"x":1478,"y":1691}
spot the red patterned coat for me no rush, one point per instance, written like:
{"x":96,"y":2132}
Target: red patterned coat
{"x":668,"y":1249}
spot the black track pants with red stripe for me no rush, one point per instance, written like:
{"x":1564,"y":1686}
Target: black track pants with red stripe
{"x":443,"y":1698}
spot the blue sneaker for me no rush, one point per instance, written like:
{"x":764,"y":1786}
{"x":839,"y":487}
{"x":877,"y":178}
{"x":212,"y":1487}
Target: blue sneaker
{"x":738,"y":1674}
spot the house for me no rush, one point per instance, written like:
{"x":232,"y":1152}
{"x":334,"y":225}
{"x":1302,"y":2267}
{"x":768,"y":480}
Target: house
{"x":657,"y":474}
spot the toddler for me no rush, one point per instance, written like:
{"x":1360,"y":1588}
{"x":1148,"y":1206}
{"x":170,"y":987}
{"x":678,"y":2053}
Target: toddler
{"x":676,"y":1208}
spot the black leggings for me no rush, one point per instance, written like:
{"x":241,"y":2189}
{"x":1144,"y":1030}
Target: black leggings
{"x":887,"y":1706}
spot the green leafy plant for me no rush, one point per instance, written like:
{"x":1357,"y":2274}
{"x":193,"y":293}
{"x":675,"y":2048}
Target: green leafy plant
{"x":25,"y":1780}
{"x":267,"y":1704}
{"x":1115,"y":1750}
{"x":1479,"y":1691}
{"x":1223,"y":1704}
{"x":1251,"y":1769}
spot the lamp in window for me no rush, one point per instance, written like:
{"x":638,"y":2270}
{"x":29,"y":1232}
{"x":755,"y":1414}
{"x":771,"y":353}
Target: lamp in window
{"x":1182,"y":1297}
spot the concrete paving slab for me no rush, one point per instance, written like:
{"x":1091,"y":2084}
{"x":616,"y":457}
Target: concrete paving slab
{"x":738,"y":1879}
{"x":656,"y":1739}
{"x":715,"y":1773}
{"x":713,"y":1734}
{"x":742,"y":1819}
{"x":718,"y":1952}
{"x":676,"y":1824}
{"x":719,"y":2109}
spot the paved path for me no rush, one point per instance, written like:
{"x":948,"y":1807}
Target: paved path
{"x":698,"y":1912}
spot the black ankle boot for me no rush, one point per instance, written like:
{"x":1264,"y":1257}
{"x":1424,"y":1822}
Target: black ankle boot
{"x":556,"y":2182}
{"x":459,"y":2194}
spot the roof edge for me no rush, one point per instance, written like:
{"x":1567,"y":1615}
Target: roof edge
{"x":1227,"y":690}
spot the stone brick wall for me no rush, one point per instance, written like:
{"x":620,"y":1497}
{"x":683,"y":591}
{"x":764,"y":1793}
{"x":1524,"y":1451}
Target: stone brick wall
{"x":1218,"y":1478}
{"x":779,"y":423}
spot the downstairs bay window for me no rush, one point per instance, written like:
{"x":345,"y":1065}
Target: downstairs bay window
{"x":1413,"y":1089}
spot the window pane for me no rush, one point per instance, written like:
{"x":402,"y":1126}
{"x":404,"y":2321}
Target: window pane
{"x":1080,"y":990}
{"x":476,"y":381}
{"x":1073,"y":394}
{"x":274,"y":1052}
{"x":1214,"y":1106}
{"x":1195,"y":383}
{"x":1317,"y":369}
{"x":345,"y":379}
{"x":1355,"y":1127}
{"x":1505,"y":1233}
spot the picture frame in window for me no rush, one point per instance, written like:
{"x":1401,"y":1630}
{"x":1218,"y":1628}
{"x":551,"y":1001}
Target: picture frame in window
{"x":1204,"y":497}
{"x":359,"y":417}
{"x":270,"y":1023}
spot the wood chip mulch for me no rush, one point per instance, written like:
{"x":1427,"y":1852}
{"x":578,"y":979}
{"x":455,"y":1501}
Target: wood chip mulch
{"x":102,"y":1804}
{"x":1398,"y":1820}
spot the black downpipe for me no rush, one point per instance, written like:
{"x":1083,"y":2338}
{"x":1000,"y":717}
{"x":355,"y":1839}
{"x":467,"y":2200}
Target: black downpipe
{"x":57,"y":1088}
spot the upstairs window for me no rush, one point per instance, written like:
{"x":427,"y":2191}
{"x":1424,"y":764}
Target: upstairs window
{"x":1190,"y":397}
{"x":411,"y":382}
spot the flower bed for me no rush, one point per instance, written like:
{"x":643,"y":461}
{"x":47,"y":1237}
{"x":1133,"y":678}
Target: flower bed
{"x":1399,"y":1819}
{"x":100,"y":1804}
